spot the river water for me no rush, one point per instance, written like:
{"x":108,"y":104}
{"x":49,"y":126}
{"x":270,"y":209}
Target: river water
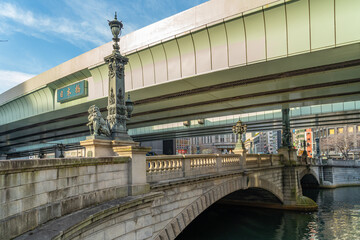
{"x":338,"y":217}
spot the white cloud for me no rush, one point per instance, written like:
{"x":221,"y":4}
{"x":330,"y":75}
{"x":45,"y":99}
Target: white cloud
{"x":9,"y":79}
{"x":75,"y":32}
{"x":86,"y":22}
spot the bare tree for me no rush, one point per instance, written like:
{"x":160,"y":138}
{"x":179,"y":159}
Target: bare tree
{"x":340,"y":143}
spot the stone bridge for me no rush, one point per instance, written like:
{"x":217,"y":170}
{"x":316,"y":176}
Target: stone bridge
{"x":133,"y":197}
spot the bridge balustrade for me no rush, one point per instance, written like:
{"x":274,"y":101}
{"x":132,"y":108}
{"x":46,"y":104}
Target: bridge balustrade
{"x":161,"y":168}
{"x":302,"y":161}
{"x":262,"y":160}
{"x":172,"y":167}
{"x":230,"y":160}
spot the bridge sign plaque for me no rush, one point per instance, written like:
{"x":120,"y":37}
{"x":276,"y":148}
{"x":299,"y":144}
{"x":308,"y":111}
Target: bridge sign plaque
{"x":73,"y":91}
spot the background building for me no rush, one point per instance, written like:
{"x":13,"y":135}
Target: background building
{"x":339,"y":141}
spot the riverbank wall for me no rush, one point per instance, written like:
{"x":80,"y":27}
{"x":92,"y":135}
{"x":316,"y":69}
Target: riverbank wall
{"x":339,"y":173}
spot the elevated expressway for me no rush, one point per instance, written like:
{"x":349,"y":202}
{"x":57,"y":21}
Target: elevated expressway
{"x":223,"y":57}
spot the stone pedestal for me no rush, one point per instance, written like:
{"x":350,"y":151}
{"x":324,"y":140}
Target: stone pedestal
{"x":289,"y":154}
{"x":103,"y":147}
{"x":242,"y":153}
{"x":137,"y":168}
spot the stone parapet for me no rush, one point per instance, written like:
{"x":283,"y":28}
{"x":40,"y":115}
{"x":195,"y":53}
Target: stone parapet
{"x":16,"y":166}
{"x":33,"y":192}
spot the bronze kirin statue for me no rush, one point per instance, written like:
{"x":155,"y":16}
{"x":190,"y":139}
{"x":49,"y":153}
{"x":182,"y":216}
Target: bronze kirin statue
{"x":97,"y":124}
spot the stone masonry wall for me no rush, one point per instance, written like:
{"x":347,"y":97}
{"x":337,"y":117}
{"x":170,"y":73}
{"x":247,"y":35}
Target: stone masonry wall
{"x":169,"y":214}
{"x":172,"y":206}
{"x":273,"y":175}
{"x":35,"y":191}
{"x":127,"y":225}
{"x":346,"y":175}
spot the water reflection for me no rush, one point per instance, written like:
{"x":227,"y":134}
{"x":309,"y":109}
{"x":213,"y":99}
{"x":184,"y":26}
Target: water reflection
{"x":338,"y":215}
{"x":338,"y":218}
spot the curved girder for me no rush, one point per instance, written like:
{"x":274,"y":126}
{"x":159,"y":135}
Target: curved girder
{"x":26,"y":106}
{"x":292,"y":28}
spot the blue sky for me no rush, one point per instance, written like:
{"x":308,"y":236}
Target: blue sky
{"x":37,"y":35}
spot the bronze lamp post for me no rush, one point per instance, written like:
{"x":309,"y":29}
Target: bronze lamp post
{"x":239,"y":129}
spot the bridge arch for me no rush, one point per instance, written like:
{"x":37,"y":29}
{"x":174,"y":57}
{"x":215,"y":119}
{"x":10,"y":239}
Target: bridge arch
{"x":203,"y":202}
{"x":309,"y":178}
{"x":256,"y":182}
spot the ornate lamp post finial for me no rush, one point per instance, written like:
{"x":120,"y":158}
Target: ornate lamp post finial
{"x":116,"y":27}
{"x":239,"y":129}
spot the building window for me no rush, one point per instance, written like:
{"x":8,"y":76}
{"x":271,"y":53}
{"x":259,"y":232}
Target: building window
{"x":331,"y":131}
{"x":350,"y":129}
{"x":340,"y":130}
{"x":358,"y":128}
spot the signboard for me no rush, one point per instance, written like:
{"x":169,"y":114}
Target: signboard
{"x":73,"y":91}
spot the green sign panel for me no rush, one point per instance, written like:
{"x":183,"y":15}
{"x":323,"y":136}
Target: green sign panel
{"x":71,"y":92}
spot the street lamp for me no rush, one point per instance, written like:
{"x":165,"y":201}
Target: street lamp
{"x":119,"y":110}
{"x":115,"y":27}
{"x":129,"y":106}
{"x":239,"y":129}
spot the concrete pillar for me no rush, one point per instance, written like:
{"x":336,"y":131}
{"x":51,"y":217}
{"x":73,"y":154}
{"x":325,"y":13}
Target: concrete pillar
{"x":137,"y":168}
